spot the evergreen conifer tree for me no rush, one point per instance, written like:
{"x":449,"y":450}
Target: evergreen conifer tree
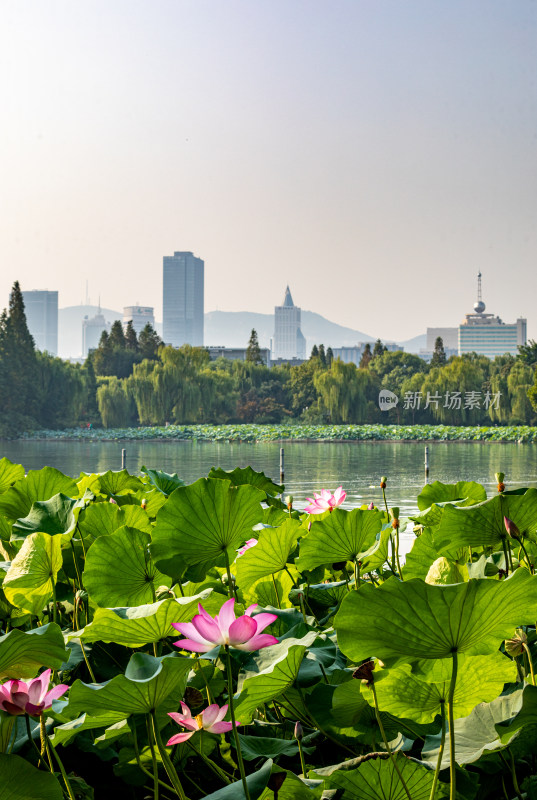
{"x":322,"y":355}
{"x":329,"y":357}
{"x":149,"y":342}
{"x":116,"y":336}
{"x":366,"y":356}
{"x":253,"y":351}
{"x":314,"y":351}
{"x":131,"y":340}
{"x":439,"y":354}
{"x":379,"y":349}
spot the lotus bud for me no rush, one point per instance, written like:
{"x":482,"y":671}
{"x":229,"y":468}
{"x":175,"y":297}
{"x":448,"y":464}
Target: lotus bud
{"x":299,"y":731}
{"x":364,"y":673}
{"x":511,"y":528}
{"x":383,"y":482}
{"x":144,"y":503}
{"x":289,"y":502}
{"x":113,"y":501}
{"x":371,"y":506}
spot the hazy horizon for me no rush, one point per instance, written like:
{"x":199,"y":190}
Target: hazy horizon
{"x":373,"y":155}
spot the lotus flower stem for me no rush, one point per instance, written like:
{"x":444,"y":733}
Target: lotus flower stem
{"x":302,"y":762}
{"x":440,"y":752}
{"x":452,"y":761}
{"x":166,"y":760}
{"x":504,"y":545}
{"x":530,"y":663}
{"x":356,"y":574}
{"x":232,"y":714}
{"x":210,"y":763}
{"x":154,"y":760}
{"x":30,"y":737}
{"x":276,"y":590}
{"x":43,"y":733}
{"x":210,"y":699}
{"x":516,"y":787}
{"x":75,"y":562}
{"x":54,"y":606}
{"x":229,"y":578}
{"x":386,"y":743}
{"x":400,"y":571}
{"x":50,"y":747}
{"x":139,"y":761}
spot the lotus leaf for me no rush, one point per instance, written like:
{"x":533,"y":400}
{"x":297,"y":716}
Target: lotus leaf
{"x":41,"y":484}
{"x":417,"y":621}
{"x":30,"y":580}
{"x":339,"y":536}
{"x":201,"y":523}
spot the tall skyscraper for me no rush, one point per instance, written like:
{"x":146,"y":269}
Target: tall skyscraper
{"x":139,"y":316}
{"x":487,"y":335}
{"x":92,"y":329}
{"x":42,"y":317}
{"x":183,"y":305}
{"x":288,"y":341}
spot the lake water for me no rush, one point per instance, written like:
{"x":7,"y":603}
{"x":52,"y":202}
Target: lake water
{"x":357,"y":466}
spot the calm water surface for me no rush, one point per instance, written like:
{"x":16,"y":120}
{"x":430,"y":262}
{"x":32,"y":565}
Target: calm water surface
{"x":308,"y":467}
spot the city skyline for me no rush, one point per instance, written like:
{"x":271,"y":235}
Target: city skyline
{"x":372,"y":155}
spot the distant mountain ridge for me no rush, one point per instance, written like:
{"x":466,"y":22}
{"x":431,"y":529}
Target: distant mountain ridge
{"x":227,"y":329}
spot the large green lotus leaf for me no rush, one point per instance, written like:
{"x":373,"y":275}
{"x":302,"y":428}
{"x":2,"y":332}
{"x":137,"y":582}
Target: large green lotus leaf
{"x":9,"y":473}
{"x":136,"y":517}
{"x":117,"y":482}
{"x":476,"y":734}
{"x":119,"y":570}
{"x":419,"y":621}
{"x":343,"y":713}
{"x":254,"y":747}
{"x":246,"y":475}
{"x":256,"y":782}
{"x":483,"y":524}
{"x":162,"y":481}
{"x":419,"y":559}
{"x":377,"y":779}
{"x":55,"y":517}
{"x":420,"y":696}
{"x":292,"y":788}
{"x":468,"y":492}
{"x":147,"y":684}
{"x":41,"y":484}
{"x":269,"y":555}
{"x":64,"y":734}
{"x":263,"y":591}
{"x":377,"y":554}
{"x":340,"y":536}
{"x":141,"y":625}
{"x":199,"y":523}
{"x":526,"y":716}
{"x":22,"y":781}
{"x":23,"y":653}
{"x":100,"y":519}
{"x":277,"y":670}
{"x":325,"y":594}
{"x":29,"y":581}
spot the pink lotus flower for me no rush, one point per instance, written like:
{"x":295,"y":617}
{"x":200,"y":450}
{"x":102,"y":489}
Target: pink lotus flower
{"x":325,"y":501}
{"x":18,"y":697}
{"x":210,"y":720}
{"x":243,"y":633}
{"x":245,"y":547}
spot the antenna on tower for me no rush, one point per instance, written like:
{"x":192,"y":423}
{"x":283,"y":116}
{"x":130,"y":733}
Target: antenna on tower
{"x":479,"y":306}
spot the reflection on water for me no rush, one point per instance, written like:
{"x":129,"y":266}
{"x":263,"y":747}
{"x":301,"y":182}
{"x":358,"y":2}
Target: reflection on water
{"x":308,"y":467}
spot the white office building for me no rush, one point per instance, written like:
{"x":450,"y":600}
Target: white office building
{"x":288,"y":341}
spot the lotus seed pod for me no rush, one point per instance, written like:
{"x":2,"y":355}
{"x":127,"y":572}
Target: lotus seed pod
{"x":395,"y":512}
{"x":499,"y":476}
{"x":364,"y":673}
{"x":515,"y":646}
{"x":289,"y":500}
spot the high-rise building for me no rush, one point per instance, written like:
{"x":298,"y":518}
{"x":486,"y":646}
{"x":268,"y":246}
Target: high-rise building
{"x":288,"y":341}
{"x":487,"y":335}
{"x":182,"y":305}
{"x":139,"y":316}
{"x":92,"y":329}
{"x":41,"y":309}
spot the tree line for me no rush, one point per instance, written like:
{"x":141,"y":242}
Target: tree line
{"x":131,"y":380}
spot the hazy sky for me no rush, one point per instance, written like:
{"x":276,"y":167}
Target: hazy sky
{"x":374,"y":154}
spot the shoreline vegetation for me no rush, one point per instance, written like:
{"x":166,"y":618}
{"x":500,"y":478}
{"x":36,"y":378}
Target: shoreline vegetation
{"x":251,"y":433}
